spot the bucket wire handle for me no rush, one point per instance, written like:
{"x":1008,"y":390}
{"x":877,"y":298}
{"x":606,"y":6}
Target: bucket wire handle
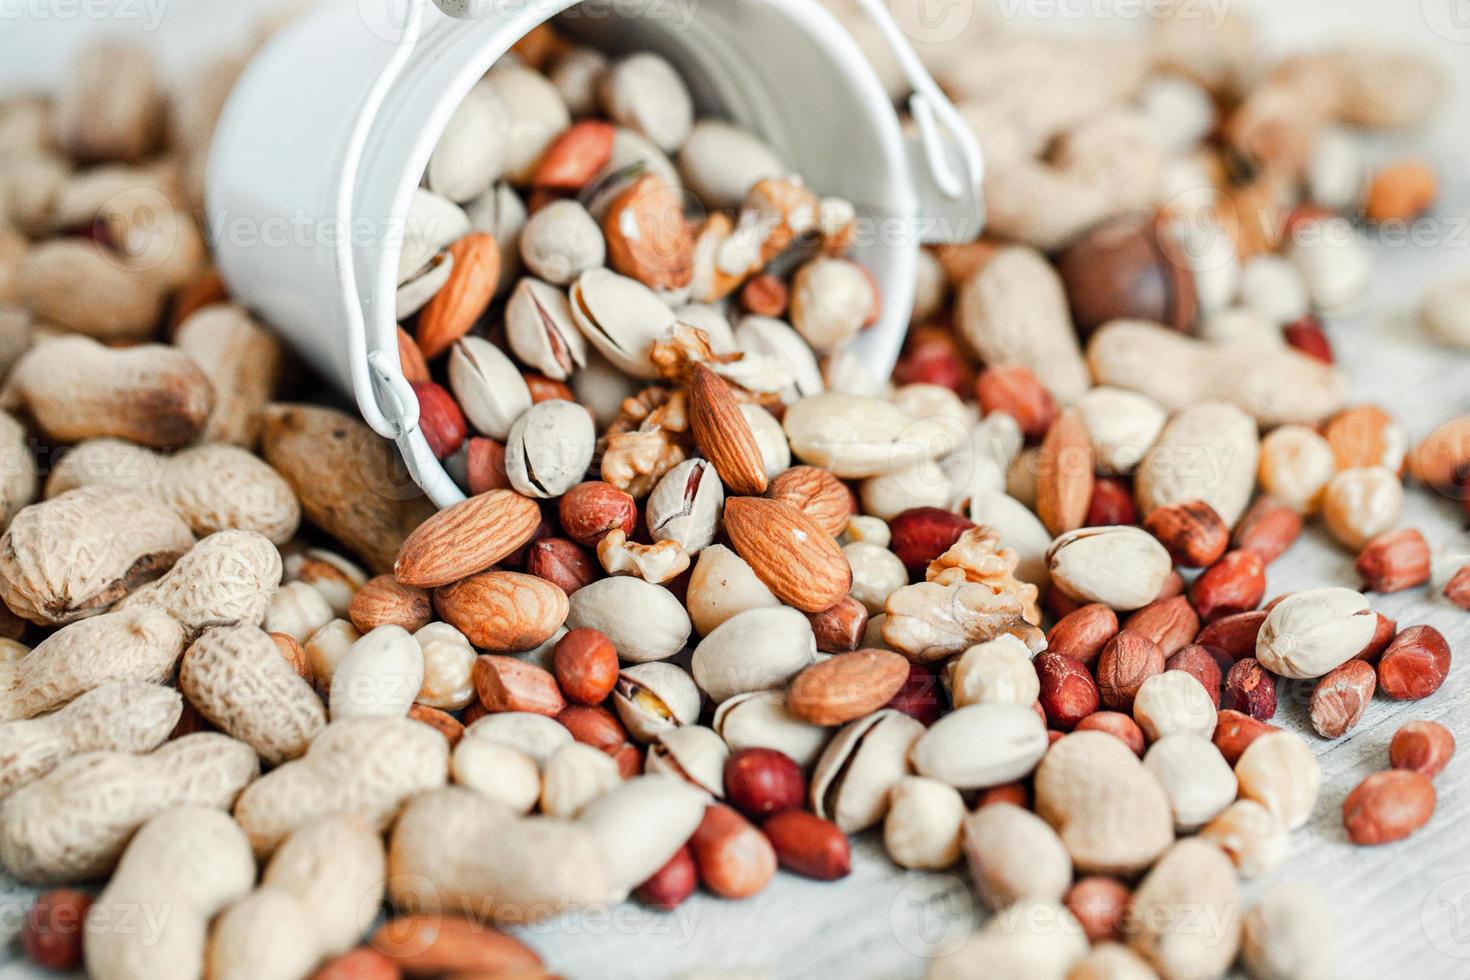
{"x":386,"y":401}
{"x":941,"y":129}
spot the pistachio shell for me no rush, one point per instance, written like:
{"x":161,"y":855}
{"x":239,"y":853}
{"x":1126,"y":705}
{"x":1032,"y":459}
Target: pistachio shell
{"x":685,"y":506}
{"x":982,"y":745}
{"x":549,"y":449}
{"x":539,"y":329}
{"x":645,"y":622}
{"x":622,"y":318}
{"x":851,"y":781}
{"x":655,"y":697}
{"x":753,"y":651}
{"x":487,"y":386}
{"x":760,"y":720}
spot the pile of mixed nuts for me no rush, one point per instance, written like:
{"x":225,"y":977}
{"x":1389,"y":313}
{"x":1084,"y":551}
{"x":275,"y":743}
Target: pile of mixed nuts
{"x":716,"y":600}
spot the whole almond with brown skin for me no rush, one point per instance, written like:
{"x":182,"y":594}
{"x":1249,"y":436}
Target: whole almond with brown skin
{"x":1068,"y":692}
{"x":468,"y":537}
{"x":808,"y":845}
{"x":1083,"y":632}
{"x":508,"y":684}
{"x":1394,"y":561}
{"x":1340,"y":697}
{"x":817,"y":494}
{"x":432,"y":944}
{"x":1415,"y":664}
{"x":1191,"y":531}
{"x":1249,"y":689}
{"x":648,"y":238}
{"x":464,"y":298}
{"x":1116,"y":724}
{"x":798,"y":561}
{"x":1064,"y":474}
{"x":575,"y":157}
{"x":562,"y":563}
{"x":735,"y":859}
{"x":411,"y":360}
{"x":1424,"y":747}
{"x":1268,"y":528}
{"x":723,"y":435}
{"x":1203,"y":664}
{"x":1234,"y":731}
{"x":1234,"y":584}
{"x":384,"y":601}
{"x":846,"y":686}
{"x":1171,"y":623}
{"x":1388,"y":806}
{"x":1125,"y":663}
{"x":503,"y":610}
{"x":1235,"y":635}
{"x":841,"y":628}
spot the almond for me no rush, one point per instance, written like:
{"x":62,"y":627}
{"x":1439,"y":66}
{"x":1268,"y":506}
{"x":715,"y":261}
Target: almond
{"x":411,"y":360}
{"x":464,"y":298}
{"x":817,"y":494}
{"x":503,"y":610}
{"x":466,"y":538}
{"x":1082,"y":633}
{"x":723,"y":435}
{"x":648,"y":238}
{"x":1191,"y":531}
{"x":575,"y":156}
{"x":1064,"y":474}
{"x":431,"y":944}
{"x":841,"y":628}
{"x":1394,"y":561}
{"x":798,"y":561}
{"x":508,"y":684}
{"x":1171,"y":623}
{"x":846,"y":686}
{"x":383,"y":600}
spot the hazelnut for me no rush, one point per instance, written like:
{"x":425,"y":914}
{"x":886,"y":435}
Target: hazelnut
{"x":1361,"y":503}
{"x":1125,"y":270}
{"x":1068,"y":692}
{"x":586,"y":666}
{"x":1125,"y":663}
{"x":840,"y":629}
{"x":1192,"y":532}
{"x":1296,"y":466}
{"x":1424,"y":747}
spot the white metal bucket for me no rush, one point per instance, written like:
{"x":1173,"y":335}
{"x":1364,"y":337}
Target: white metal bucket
{"x":329,"y":130}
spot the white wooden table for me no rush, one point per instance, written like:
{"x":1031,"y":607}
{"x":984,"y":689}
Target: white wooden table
{"x":1400,"y":910}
